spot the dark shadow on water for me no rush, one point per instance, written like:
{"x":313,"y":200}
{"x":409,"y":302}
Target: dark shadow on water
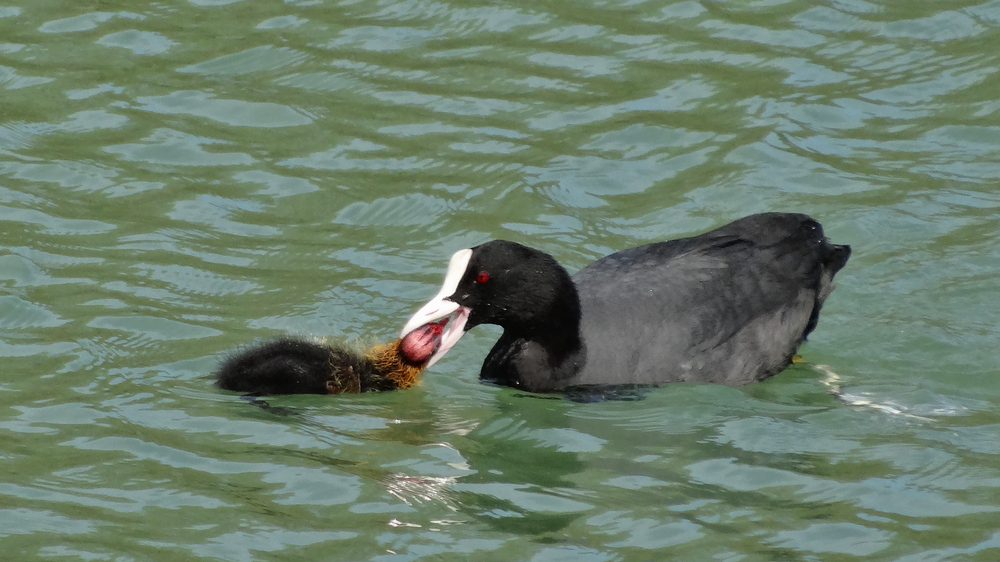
{"x":511,"y":460}
{"x":592,"y":394}
{"x":517,"y":456}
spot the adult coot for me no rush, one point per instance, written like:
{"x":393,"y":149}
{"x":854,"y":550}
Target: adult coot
{"x":728,"y":306}
{"x":298,"y":366}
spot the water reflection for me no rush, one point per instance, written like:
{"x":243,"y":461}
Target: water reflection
{"x":535,"y":468}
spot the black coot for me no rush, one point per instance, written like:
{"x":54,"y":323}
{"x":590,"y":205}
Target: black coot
{"x":729,"y":306}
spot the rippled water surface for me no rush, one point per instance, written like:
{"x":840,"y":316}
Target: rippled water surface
{"x":183,"y":177}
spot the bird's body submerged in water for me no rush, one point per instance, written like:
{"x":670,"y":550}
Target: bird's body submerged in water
{"x":299,"y":366}
{"x":728,"y":306}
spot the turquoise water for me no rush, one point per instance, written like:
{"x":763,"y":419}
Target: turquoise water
{"x":181,"y":178}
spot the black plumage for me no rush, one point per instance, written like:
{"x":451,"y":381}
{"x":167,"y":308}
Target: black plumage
{"x":297,"y":366}
{"x":728,"y":306}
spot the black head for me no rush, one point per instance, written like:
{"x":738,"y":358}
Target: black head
{"x":519,"y":288}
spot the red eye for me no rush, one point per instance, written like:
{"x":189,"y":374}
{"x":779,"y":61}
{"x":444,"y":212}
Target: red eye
{"x":482,"y":277}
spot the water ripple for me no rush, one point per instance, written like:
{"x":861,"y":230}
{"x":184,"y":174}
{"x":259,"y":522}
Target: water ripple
{"x":139,"y":42}
{"x":181,"y":180}
{"x":173,"y":148}
{"x":257,"y":59}
{"x":231,"y":112}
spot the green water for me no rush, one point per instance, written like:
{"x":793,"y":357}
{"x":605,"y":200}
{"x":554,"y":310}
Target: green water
{"x":180,"y":178}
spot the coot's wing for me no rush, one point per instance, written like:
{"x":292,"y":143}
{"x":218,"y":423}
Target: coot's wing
{"x":729,"y":306}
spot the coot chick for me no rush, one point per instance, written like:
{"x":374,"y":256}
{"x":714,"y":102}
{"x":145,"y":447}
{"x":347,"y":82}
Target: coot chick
{"x":728,"y":306}
{"x":298,"y":366}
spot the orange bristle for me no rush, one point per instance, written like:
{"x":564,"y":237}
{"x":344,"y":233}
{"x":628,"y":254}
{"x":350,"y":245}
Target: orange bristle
{"x":389,"y":363}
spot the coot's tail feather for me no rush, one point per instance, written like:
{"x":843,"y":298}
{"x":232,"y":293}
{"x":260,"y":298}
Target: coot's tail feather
{"x":834,"y":257}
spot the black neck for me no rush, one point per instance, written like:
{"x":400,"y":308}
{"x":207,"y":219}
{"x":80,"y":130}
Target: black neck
{"x":556,"y":331}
